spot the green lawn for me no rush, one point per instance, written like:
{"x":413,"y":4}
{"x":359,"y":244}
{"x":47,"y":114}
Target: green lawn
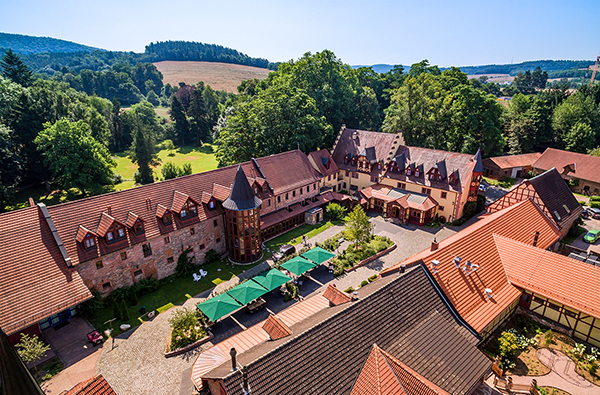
{"x":201,"y":159}
{"x":171,"y":290}
{"x":506,"y":183}
{"x":296,"y":234}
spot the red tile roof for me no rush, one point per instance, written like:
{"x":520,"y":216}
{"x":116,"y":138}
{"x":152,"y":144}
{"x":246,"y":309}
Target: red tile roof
{"x":287,"y":171}
{"x":276,"y":328}
{"x":321,"y":156}
{"x":82,"y":232}
{"x":383,"y":374}
{"x":161,"y":210}
{"x":388,"y":193}
{"x":557,"y":277}
{"x":97,"y":385}
{"x":510,"y":161}
{"x":385,"y":145}
{"x":179,"y":199}
{"x":35,"y":281}
{"x":131,"y":219}
{"x":476,"y":244}
{"x":104,"y":225}
{"x":586,"y":166}
{"x":335,"y":296}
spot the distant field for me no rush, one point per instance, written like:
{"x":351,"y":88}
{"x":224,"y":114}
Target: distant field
{"x":220,"y":76}
{"x":201,"y":159}
{"x":498,"y":78}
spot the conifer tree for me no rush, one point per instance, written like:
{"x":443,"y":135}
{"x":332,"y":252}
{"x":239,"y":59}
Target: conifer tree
{"x":14,"y":69}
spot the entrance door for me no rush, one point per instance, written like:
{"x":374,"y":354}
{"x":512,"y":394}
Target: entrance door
{"x":525,"y":301}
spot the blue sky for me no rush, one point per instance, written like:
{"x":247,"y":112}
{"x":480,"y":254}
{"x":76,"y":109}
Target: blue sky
{"x":447,"y":33}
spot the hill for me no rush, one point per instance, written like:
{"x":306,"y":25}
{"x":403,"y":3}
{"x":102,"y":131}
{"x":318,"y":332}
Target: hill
{"x":555,"y":68}
{"x":220,"y":76}
{"x":30,"y":44}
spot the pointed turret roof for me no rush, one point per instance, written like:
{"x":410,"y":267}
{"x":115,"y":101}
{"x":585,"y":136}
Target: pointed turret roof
{"x":241,"y":196}
{"x":478,"y":163}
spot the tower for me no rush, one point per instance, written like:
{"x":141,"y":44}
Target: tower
{"x":242,"y":221}
{"x":476,"y":178}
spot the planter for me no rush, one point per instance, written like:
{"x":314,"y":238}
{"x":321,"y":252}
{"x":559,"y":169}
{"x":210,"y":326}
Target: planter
{"x":371,"y":258}
{"x":189,"y":347}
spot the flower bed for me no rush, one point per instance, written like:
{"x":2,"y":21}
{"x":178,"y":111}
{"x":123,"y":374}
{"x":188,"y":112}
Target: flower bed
{"x":189,"y":347}
{"x":186,"y":328}
{"x":365,"y":252}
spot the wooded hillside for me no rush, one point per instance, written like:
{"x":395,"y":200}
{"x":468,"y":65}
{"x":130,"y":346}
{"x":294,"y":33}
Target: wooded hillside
{"x":29,"y":44}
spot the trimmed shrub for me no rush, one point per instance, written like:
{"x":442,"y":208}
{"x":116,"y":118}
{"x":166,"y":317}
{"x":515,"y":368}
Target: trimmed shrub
{"x":116,"y":310}
{"x":363,"y":283}
{"x":373,"y":278}
{"x":349,"y":290}
{"x":211,"y":256}
{"x":124,"y":311}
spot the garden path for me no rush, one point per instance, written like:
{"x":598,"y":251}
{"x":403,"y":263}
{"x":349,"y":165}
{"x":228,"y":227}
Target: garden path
{"x":563,"y":375}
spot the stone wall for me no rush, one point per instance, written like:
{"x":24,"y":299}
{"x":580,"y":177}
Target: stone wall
{"x":115,"y":270}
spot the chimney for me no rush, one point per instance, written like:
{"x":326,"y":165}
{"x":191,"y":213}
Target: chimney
{"x":245,"y":385}
{"x":31,"y":202}
{"x":536,"y":236}
{"x":434,"y":244}
{"x":109,"y":210}
{"x":233,"y":353}
{"x":402,"y":268}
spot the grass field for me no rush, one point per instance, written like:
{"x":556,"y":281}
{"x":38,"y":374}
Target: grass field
{"x":201,"y":159}
{"x":220,"y":76}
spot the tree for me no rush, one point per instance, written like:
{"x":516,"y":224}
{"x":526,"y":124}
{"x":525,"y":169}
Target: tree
{"x":14,"y":69}
{"x":143,"y":150}
{"x":124,"y":311}
{"x":74,"y":157}
{"x":358,"y":226}
{"x":580,"y":138}
{"x":335,"y":211}
{"x":31,"y":349}
{"x":171,"y":170}
{"x":10,"y":171}
{"x":116,"y":310}
{"x":577,"y":108}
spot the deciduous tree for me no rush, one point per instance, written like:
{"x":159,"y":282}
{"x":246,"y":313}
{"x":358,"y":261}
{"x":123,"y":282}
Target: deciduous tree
{"x":31,"y":349}
{"x":358,"y":227}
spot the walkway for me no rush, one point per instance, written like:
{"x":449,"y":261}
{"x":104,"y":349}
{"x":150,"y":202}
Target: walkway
{"x":136,"y":364}
{"x":563,"y":375}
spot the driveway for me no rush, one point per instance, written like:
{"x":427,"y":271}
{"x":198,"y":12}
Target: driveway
{"x":588,"y":224}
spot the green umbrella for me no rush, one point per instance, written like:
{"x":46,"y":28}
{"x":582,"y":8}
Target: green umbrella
{"x":247,"y":292}
{"x":298,"y":265}
{"x":318,"y":255}
{"x":217,"y":307}
{"x":272,"y":279}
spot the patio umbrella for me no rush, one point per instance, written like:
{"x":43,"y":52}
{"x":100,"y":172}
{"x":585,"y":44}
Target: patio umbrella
{"x":318,"y":255}
{"x":16,"y":379}
{"x":219,"y":306}
{"x":298,"y":265}
{"x":272,"y":279}
{"x":247,"y":291}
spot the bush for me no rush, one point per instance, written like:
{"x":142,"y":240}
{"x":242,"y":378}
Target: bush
{"x":582,"y":203}
{"x":124,"y":311}
{"x":335,"y":211}
{"x":548,"y":337}
{"x":211,"y":256}
{"x":594,"y":204}
{"x":458,"y":222}
{"x":594,"y":198}
{"x":147,"y":285}
{"x":187,"y":327}
{"x":116,"y":310}
{"x":329,"y":244}
{"x":593,"y":369}
{"x":91,"y":306}
{"x":292,"y":291}
{"x":185,"y":265}
{"x":363,"y":283}
{"x":507,"y":345}
{"x":373,"y":278}
{"x":349,"y":290}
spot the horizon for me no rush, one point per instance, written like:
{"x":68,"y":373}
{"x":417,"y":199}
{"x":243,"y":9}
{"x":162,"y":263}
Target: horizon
{"x":465,"y":33}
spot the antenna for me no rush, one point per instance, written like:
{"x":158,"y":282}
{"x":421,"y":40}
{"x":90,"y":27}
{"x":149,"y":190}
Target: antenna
{"x":488,"y":292}
{"x":456,"y":261}
{"x":434,"y":264}
{"x":470,"y":268}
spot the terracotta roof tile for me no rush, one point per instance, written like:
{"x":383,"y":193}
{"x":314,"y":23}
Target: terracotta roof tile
{"x":335,"y":296}
{"x":34,"y":278}
{"x":179,"y":199}
{"x":404,"y":198}
{"x":161,"y":210}
{"x":82,"y":232}
{"x":132,"y":219}
{"x":510,"y":161}
{"x":565,"y":280}
{"x":276,"y":328}
{"x":321,"y":159}
{"x":220,"y":192}
{"x":586,"y":166}
{"x":383,"y":374}
{"x":104,"y":224}
{"x":276,"y":170}
{"x":97,"y":385}
{"x":384,"y":145}
{"x":206,"y":197}
{"x":476,"y":244}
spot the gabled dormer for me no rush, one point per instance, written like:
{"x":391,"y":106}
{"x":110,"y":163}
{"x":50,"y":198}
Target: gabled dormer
{"x":135,"y":223}
{"x":437,"y":172}
{"x":397,"y":164}
{"x":111,"y":229}
{"x":209,"y":200}
{"x":414,"y":170}
{"x":164,"y":214}
{"x":184,"y":205}
{"x":86,"y":237}
{"x":453,"y":177}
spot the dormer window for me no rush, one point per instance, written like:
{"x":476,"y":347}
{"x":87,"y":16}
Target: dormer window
{"x":89,"y":242}
{"x":211,"y":204}
{"x":167,"y":219}
{"x":138,"y":228}
{"x":189,"y":208}
{"x":408,"y":172}
{"x":115,"y":232}
{"x":256,"y":190}
{"x":417,"y":174}
{"x":379,"y":166}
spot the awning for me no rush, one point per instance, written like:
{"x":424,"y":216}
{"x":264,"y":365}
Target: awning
{"x":247,"y":292}
{"x":219,"y":306}
{"x":272,"y":279}
{"x":318,"y":255}
{"x":298,"y":265}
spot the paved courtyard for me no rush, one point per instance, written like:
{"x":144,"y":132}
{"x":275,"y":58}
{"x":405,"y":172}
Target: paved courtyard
{"x":135,"y":362}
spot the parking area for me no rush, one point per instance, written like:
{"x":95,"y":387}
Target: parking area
{"x":588,"y":224}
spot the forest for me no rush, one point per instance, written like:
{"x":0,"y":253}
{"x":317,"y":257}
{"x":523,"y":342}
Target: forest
{"x":61,"y":133}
